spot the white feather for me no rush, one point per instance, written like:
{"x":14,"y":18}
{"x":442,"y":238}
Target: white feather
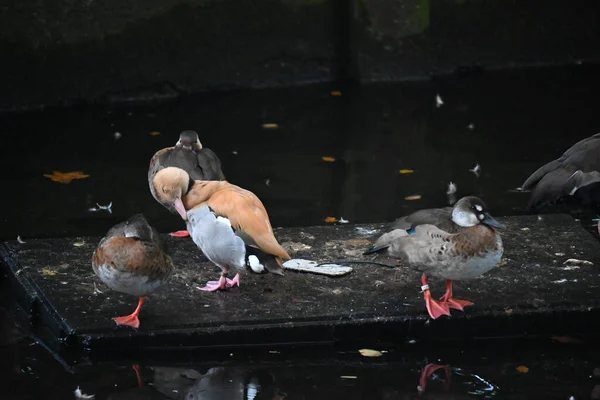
{"x":255,"y":264}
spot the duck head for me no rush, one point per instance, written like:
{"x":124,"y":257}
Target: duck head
{"x":470,"y":211}
{"x":189,"y":140}
{"x":171,"y":184}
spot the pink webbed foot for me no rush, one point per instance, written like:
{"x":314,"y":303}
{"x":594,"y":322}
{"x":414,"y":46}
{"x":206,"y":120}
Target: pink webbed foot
{"x":222,"y":283}
{"x":180,"y":234}
{"x":435,"y":308}
{"x":457,"y":304}
{"x":129,"y":320}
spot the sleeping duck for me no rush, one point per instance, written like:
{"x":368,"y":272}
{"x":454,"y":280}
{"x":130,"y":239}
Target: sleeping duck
{"x":132,"y":259}
{"x":229,"y":224}
{"x":188,"y":154}
{"x":458,"y":243}
{"x":578,"y":167}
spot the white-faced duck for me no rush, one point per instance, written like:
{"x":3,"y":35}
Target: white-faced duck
{"x":452,"y":243}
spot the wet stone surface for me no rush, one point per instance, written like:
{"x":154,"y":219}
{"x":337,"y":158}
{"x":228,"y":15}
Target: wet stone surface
{"x":531,"y":288}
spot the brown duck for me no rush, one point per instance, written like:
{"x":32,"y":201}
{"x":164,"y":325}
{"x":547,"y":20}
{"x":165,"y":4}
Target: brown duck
{"x":132,"y":259}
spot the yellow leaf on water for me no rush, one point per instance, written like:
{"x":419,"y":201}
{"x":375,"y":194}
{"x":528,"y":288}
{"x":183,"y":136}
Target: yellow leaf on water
{"x":78,"y":244}
{"x":48,"y":272}
{"x":336,"y":93}
{"x":328,"y":159}
{"x":370,"y":353}
{"x":270,"y":126}
{"x":406,"y":171}
{"x":413,"y":197}
{"x":66,"y":177}
{"x":331,"y":220}
{"x":522,"y":369}
{"x":154,"y":133}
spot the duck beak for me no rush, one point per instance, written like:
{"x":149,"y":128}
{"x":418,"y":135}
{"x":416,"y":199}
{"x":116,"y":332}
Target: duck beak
{"x":178,"y":204}
{"x":489,"y":220}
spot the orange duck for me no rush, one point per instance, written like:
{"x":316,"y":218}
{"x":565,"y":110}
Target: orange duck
{"x":229,"y":224}
{"x":188,"y":154}
{"x":132,"y":259}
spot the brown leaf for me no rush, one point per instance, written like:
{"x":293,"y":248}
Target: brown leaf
{"x":336,"y":93}
{"x":331,"y":220}
{"x":413,"y":197}
{"x":154,"y":133}
{"x":407,"y":171}
{"x":328,"y":159}
{"x":565,"y":339}
{"x":66,"y":177}
{"x":270,"y":126}
{"x":522,"y":369}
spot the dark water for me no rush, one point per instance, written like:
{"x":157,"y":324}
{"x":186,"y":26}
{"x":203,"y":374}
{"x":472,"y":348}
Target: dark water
{"x":510,"y":123}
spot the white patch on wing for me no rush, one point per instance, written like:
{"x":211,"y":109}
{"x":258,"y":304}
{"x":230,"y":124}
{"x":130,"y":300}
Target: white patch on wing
{"x":255,"y":264}
{"x":224,"y":221}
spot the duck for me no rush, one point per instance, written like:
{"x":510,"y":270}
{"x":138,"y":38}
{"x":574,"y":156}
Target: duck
{"x":229,"y":224}
{"x":199,"y":162}
{"x":451,"y":243}
{"x":133,"y":259}
{"x":576,"y":168}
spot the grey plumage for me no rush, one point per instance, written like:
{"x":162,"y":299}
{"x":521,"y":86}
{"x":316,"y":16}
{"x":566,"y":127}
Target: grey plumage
{"x":449,"y":256}
{"x":552,"y":181}
{"x":215,"y":237}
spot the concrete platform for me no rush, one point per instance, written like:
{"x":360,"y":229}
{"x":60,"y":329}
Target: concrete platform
{"x":53,"y":290}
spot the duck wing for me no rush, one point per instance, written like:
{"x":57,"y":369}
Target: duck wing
{"x":582,"y":155}
{"x":210,"y":165}
{"x":247,"y":213}
{"x":440,"y":217}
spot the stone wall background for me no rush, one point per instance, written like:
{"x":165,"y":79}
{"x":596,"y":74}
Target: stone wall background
{"x":66,"y":51}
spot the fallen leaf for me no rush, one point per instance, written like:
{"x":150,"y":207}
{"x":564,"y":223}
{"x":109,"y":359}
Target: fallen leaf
{"x":525,"y":229}
{"x":66,"y":177}
{"x":79,"y":244}
{"x":348,"y":377}
{"x":336,"y":93}
{"x":413,"y":197}
{"x":522,"y":369}
{"x":370,"y":353}
{"x":270,"y":126}
{"x":48,"y":272}
{"x":565,"y":339}
{"x":343,"y":221}
{"x":328,"y":159}
{"x":406,"y":171}
{"x":331,"y":220}
{"x":20,"y":240}
{"x":154,"y":133}
{"x":508,"y":311}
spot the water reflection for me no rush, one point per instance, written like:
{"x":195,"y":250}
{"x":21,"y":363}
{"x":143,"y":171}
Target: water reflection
{"x":304,"y":382}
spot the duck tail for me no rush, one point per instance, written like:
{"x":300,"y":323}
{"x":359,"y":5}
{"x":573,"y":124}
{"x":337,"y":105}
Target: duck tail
{"x":376,"y":249}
